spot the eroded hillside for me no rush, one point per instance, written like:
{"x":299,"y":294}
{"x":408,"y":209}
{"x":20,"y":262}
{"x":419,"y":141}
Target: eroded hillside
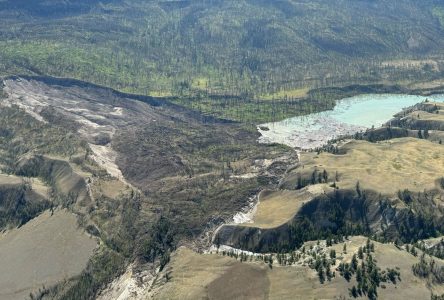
{"x":142,"y":175}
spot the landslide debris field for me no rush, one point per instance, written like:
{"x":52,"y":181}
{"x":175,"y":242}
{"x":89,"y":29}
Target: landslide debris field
{"x":217,"y":161}
{"x":141,"y":175}
{"x":370,"y":182}
{"x":251,"y":61}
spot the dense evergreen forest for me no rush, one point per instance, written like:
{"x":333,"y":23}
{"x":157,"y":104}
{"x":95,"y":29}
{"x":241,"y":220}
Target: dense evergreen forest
{"x":250,"y":48}
{"x":181,"y":174}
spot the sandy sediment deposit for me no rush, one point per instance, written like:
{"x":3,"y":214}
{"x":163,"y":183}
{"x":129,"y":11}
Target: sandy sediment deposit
{"x":315,"y":132}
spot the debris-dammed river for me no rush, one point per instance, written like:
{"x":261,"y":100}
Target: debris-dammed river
{"x":350,"y":115}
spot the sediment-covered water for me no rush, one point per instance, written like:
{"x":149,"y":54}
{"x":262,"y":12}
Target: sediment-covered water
{"x":350,"y":115}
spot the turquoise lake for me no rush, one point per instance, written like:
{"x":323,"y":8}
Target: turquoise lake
{"x":350,"y":115}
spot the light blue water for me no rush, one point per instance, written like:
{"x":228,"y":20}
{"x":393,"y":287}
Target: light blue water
{"x":349,"y":115}
{"x":375,"y":110}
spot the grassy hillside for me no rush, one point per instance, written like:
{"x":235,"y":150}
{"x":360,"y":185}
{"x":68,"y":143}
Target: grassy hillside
{"x":278,"y":207}
{"x":52,"y":244}
{"x":227,"y":276}
{"x":385,"y":167}
{"x":145,"y":175}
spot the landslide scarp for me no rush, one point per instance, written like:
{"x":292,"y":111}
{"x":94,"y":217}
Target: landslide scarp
{"x":141,"y":174}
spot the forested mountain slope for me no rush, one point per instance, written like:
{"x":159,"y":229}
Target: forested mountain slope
{"x":252,"y":47}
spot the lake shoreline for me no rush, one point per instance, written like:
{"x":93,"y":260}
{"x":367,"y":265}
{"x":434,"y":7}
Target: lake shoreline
{"x":350,"y":115}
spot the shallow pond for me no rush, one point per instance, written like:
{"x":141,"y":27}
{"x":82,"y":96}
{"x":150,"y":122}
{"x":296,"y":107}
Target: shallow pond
{"x":350,"y":115}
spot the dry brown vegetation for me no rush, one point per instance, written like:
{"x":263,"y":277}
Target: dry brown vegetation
{"x":187,"y":174}
{"x":201,"y":276}
{"x":386,"y":166}
{"x":412,"y":64}
{"x":278,"y":207}
{"x":46,"y":250}
{"x":386,"y":183}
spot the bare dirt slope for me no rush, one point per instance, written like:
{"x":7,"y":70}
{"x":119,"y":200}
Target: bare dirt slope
{"x":46,"y":250}
{"x":94,"y":114}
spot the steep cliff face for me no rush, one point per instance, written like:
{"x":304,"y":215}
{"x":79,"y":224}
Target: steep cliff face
{"x":344,"y":213}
